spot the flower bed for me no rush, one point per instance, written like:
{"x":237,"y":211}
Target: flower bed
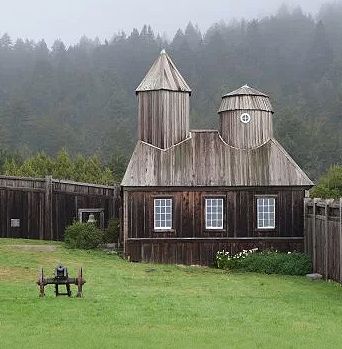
{"x":269,"y":262}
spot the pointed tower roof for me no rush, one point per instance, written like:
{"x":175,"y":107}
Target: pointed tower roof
{"x":245,"y":90}
{"x":245,"y":98}
{"x":163,"y":75}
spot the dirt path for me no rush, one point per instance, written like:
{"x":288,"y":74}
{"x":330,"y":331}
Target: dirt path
{"x":34,"y":248}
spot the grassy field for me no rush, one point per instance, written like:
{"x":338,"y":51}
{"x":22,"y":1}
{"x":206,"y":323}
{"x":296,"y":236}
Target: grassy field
{"x":128,"y":305}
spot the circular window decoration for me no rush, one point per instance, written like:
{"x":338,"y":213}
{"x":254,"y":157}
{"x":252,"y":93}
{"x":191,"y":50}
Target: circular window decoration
{"x":245,"y":118}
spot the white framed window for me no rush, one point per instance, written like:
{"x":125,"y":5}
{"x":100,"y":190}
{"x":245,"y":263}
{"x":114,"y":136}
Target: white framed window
{"x":245,"y":118}
{"x":214,"y":213}
{"x":266,"y":212}
{"x":162,"y":214}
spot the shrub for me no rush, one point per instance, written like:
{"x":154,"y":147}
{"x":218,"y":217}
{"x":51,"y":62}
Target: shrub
{"x":269,"y":262}
{"x":329,"y":185}
{"x":83,"y":235}
{"x":111,"y":234}
{"x":63,"y":166}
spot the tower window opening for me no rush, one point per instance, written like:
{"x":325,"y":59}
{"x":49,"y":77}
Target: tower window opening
{"x":245,"y":118}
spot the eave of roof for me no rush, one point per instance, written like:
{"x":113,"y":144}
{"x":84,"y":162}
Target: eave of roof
{"x":205,"y":160}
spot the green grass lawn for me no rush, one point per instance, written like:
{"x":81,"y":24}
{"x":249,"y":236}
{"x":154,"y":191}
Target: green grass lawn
{"x":128,"y":305}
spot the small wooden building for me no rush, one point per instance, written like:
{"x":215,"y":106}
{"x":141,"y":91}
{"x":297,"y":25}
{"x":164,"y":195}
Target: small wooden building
{"x":188,"y":194}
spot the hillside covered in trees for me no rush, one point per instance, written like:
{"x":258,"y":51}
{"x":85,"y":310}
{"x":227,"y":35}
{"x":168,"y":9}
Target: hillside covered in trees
{"x":81,"y":98}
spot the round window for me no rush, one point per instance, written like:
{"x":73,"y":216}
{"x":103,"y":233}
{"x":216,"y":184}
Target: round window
{"x":245,"y":118}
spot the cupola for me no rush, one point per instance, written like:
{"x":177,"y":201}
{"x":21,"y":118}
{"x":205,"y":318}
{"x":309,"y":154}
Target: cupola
{"x":246,"y":118}
{"x":163,"y":104}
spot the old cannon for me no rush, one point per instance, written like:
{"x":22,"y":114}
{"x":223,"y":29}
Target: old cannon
{"x":61,"y":278}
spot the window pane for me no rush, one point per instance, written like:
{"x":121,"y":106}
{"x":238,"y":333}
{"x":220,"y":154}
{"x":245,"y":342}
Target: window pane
{"x":214,"y":213}
{"x":163,"y":213}
{"x":266,"y":213}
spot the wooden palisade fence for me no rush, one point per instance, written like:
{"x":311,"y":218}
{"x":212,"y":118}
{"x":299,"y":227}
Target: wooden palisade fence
{"x":323,"y":236}
{"x":41,"y":208}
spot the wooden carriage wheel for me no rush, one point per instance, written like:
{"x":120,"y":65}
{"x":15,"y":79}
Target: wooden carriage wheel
{"x":41,"y":283}
{"x":80,"y":282}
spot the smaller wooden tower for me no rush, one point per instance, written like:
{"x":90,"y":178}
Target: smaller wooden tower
{"x":163,"y":104}
{"x":246,"y":118}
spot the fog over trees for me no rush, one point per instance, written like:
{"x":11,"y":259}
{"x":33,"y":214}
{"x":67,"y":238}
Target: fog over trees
{"x":82,"y":98}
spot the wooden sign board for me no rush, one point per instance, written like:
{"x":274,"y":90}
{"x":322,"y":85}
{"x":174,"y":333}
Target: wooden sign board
{"x":15,"y":223}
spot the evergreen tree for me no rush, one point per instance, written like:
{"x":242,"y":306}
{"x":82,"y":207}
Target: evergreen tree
{"x":82,"y":97}
{"x":41,"y":50}
{"x":193,"y":36}
{"x":5,"y":42}
{"x":320,"y":55}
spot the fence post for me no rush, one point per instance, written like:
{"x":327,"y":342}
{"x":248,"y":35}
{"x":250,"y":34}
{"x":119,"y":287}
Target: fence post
{"x":314,"y":245}
{"x":340,"y":239}
{"x":125,"y":221}
{"x":326,"y":245}
{"x":48,"y":234}
{"x":305,"y":213}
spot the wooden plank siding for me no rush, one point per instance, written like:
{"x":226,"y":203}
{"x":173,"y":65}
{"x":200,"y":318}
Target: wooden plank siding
{"x":26,"y":205}
{"x":200,"y":251}
{"x":46,"y":206}
{"x":189,"y":219}
{"x":204,"y":159}
{"x":248,"y":135}
{"x":163,"y":117}
{"x":237,"y":134}
{"x":163,"y":104}
{"x":245,"y":102}
{"x":323,"y":236}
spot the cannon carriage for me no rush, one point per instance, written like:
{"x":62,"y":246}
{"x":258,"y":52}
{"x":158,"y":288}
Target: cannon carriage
{"x":61,"y":277}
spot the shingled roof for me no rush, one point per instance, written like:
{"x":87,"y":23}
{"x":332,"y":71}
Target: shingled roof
{"x":204,"y":159}
{"x":245,"y":98}
{"x":246,"y":90}
{"x":163,"y":75}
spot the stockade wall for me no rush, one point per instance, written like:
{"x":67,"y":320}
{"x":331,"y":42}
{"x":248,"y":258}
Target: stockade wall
{"x":323,"y":236}
{"x":43,"y":207}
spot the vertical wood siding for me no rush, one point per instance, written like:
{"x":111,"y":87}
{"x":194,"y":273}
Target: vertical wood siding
{"x":245,"y":136}
{"x":199,"y":251}
{"x":46,"y":206}
{"x":239,"y":213}
{"x":189,"y":217}
{"x":323,"y":236}
{"x":205,"y":159}
{"x":245,"y":100}
{"x":163,"y":117}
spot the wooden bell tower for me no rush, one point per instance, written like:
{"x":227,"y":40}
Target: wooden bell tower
{"x":246,"y":118}
{"x":163,"y":104}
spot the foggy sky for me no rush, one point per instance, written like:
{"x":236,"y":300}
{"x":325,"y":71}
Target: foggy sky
{"x":68,"y":20}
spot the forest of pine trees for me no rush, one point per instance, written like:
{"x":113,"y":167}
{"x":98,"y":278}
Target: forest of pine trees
{"x":82,"y":98}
